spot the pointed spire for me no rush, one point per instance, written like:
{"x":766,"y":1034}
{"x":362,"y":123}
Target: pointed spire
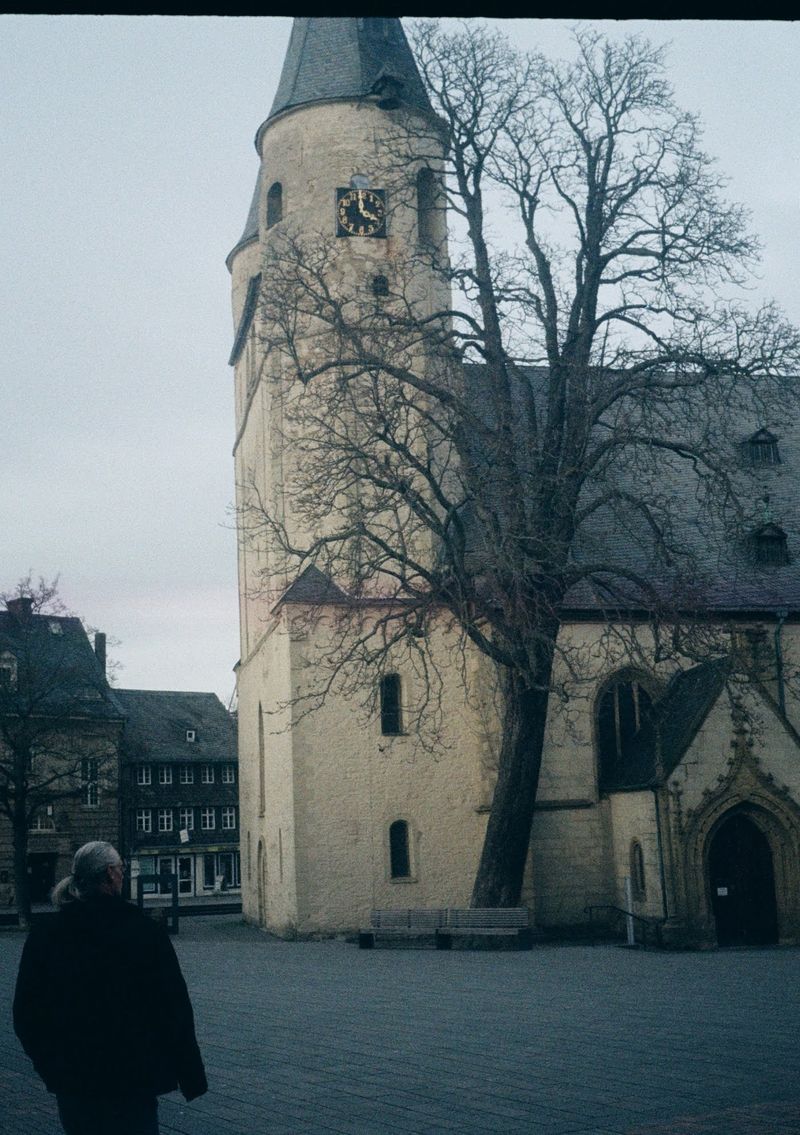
{"x":348,"y":57}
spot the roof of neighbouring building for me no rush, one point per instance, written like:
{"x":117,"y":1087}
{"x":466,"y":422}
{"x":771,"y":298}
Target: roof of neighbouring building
{"x":158,"y":721}
{"x":57,"y":670}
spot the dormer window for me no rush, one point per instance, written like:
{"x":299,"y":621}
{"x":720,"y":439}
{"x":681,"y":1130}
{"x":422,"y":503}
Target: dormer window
{"x":191,"y":735}
{"x":762,"y":448}
{"x":55,"y":627}
{"x":770,"y":545}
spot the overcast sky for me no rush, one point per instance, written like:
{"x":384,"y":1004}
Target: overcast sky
{"x":128,"y":170}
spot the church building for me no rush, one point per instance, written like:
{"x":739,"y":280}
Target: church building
{"x":670,"y":791}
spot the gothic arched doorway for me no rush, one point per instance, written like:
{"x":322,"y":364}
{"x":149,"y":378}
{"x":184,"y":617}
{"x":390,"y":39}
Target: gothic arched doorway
{"x":742,"y":882}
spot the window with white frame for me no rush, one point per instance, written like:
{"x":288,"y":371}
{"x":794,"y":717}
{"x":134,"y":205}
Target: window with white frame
{"x":229,"y":774}
{"x":144,"y":820}
{"x":8,"y":671}
{"x":206,"y":774}
{"x":228,"y":819}
{"x":207,"y":819}
{"x":165,"y":819}
{"x":90,"y":792}
{"x":186,"y":817}
{"x":187,"y":774}
{"x":144,"y":774}
{"x":43,"y":821}
{"x":165,"y":774}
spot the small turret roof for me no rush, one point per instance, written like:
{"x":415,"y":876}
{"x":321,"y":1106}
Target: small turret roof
{"x":347,"y":57}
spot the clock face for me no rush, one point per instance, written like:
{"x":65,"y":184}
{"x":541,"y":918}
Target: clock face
{"x":360,"y":212}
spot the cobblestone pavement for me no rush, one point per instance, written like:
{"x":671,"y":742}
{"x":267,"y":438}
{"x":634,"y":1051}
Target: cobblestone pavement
{"x":319,"y":1037}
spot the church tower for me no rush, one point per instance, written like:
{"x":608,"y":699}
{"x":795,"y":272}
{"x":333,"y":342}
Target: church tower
{"x":351,"y":160}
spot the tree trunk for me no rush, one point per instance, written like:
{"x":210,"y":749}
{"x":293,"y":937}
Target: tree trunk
{"x":22,"y":891}
{"x":508,"y":832}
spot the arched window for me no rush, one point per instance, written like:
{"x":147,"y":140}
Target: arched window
{"x":637,"y":871}
{"x":624,"y":710}
{"x":426,"y":206}
{"x":391,"y":709}
{"x":274,"y":204}
{"x":399,"y":859}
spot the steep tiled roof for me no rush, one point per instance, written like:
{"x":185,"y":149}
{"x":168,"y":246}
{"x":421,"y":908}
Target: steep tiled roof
{"x":57,"y":666}
{"x":313,"y":586}
{"x":345,"y":57}
{"x":158,"y":721}
{"x":656,"y":750}
{"x":724,"y":574}
{"x":251,"y":224}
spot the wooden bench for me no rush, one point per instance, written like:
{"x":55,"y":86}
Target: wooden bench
{"x":442,"y":925}
{"x":401,"y":924}
{"x":493,"y":921}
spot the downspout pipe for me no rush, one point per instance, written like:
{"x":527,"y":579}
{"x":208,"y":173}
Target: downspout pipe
{"x":781,"y":616}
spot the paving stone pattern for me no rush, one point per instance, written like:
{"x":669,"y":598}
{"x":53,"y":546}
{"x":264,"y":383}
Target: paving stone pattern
{"x":319,"y":1037}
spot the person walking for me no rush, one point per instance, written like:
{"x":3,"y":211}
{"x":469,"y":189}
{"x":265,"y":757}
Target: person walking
{"x":101,"y":1006}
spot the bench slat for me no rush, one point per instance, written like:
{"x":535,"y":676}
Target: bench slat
{"x":488,"y":917}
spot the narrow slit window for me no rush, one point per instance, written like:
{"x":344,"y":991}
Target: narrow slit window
{"x":637,"y":871}
{"x":274,"y":204}
{"x":391,"y":713}
{"x":426,"y":206}
{"x":400,"y":861}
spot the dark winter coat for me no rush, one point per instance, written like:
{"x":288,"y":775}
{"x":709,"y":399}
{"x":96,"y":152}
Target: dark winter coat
{"x":101,"y":1006}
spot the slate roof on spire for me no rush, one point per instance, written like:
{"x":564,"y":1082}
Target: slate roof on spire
{"x":347,"y":57}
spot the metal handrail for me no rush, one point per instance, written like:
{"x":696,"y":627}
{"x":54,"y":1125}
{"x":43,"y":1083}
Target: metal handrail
{"x":647,"y":924}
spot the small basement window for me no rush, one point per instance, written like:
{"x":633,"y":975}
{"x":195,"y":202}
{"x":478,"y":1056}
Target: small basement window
{"x":380,"y":286}
{"x":191,"y":735}
{"x":762,"y":448}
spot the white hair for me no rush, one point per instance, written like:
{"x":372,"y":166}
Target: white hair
{"x":89,"y":871}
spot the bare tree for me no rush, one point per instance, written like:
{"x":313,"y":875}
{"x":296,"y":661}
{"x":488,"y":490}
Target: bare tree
{"x":57,"y":730}
{"x":530,"y":445}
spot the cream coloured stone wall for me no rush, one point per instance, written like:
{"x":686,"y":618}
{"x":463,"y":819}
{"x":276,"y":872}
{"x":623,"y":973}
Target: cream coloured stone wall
{"x":633,"y":817}
{"x":352,"y":782}
{"x":265,"y":681}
